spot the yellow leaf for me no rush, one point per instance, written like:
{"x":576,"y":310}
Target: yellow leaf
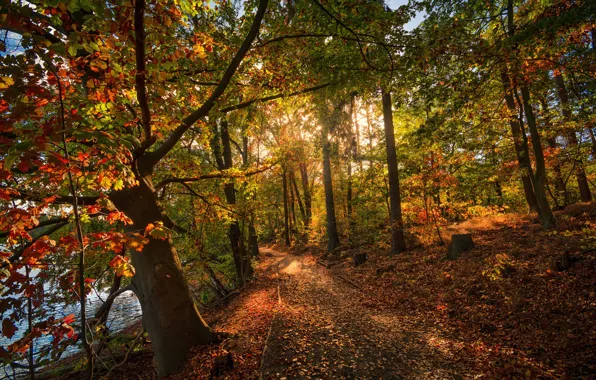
{"x":6,"y":82}
{"x":200,"y":51}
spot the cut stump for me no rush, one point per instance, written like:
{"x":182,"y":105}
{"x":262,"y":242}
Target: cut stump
{"x":359,"y":259}
{"x":222,"y":364}
{"x":459,"y":244}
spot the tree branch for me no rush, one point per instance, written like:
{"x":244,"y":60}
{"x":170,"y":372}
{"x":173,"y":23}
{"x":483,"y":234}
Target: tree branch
{"x":148,"y":161}
{"x":17,"y":255}
{"x":108,"y":302}
{"x":60,"y":199}
{"x":273,"y":97}
{"x":220,"y":174}
{"x":43,"y":223}
{"x":325,"y":35}
{"x":140,"y":86}
{"x":21,"y":21}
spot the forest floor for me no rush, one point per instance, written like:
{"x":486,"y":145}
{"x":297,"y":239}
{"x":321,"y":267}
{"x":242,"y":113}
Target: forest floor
{"x":505,"y":309}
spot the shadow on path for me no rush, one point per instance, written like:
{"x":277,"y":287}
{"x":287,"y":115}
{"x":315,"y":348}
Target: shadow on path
{"x":323,"y":330}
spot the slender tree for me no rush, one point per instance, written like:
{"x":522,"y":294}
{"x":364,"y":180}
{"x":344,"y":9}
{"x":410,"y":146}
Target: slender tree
{"x":398,"y":242}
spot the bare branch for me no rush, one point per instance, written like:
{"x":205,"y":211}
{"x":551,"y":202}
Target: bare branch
{"x":273,"y":97}
{"x":220,"y":174}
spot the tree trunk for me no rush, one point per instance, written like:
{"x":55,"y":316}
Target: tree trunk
{"x":544,"y":211}
{"x":580,"y":173}
{"x":169,"y":313}
{"x":307,"y":195}
{"x":102,"y":317}
{"x":593,"y":140}
{"x":298,"y":198}
{"x":560,"y":188}
{"x":224,"y":162}
{"x":284,"y":185}
{"x":351,"y":153}
{"x":219,"y":288}
{"x":253,"y":239}
{"x":332,"y":236}
{"x":522,"y":154}
{"x":293,"y":224}
{"x":398,"y":243}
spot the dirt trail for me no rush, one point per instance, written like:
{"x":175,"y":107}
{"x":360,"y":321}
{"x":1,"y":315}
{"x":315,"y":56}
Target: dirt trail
{"x":323,"y":329}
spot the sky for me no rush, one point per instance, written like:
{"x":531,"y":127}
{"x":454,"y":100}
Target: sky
{"x":393,"y":4}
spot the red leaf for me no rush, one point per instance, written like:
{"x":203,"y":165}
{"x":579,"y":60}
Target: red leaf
{"x":69,"y":319}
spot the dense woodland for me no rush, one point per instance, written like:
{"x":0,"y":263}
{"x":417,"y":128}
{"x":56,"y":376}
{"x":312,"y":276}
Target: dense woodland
{"x":175,"y":148}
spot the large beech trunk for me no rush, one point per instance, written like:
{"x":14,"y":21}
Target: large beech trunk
{"x":398,"y":243}
{"x":169,"y":313}
{"x":522,"y":154}
{"x":332,"y":236}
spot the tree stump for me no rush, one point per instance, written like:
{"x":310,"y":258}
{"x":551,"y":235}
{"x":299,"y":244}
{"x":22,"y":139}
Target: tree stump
{"x":222,"y":364}
{"x":459,"y":244}
{"x":359,"y":259}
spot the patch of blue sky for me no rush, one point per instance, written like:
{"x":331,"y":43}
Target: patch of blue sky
{"x":415,"y":21}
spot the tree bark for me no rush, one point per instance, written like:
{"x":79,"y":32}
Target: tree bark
{"x":284,"y":185}
{"x":169,"y":313}
{"x":545,"y":213}
{"x":522,"y":154}
{"x":398,"y":243}
{"x":293,"y":223}
{"x":307,"y":195}
{"x":351,"y":153}
{"x":253,"y":239}
{"x":224,"y":162}
{"x":104,"y":311}
{"x":580,"y":173}
{"x":298,"y":198}
{"x":332,"y":236}
{"x":215,"y":283}
{"x":560,"y":188}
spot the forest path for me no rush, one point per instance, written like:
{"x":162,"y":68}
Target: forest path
{"x":323,"y":329}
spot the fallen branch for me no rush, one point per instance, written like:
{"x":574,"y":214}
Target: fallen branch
{"x":349,"y":281}
{"x":328,"y":264}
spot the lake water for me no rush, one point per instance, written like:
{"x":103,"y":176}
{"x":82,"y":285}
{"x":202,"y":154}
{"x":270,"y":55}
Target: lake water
{"x":125,"y":311}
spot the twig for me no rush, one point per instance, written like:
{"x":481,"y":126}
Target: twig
{"x":132,"y":347}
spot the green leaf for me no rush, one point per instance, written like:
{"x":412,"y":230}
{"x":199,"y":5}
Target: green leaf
{"x":72,"y":50}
